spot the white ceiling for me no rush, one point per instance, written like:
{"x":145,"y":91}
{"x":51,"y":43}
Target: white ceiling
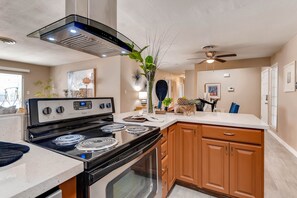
{"x":250,"y":28}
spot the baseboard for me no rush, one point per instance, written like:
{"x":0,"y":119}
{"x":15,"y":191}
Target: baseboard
{"x":287,"y":146}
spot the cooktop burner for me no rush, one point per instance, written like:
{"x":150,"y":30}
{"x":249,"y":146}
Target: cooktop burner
{"x":113,"y":127}
{"x":137,"y":129}
{"x":95,"y":144}
{"x":67,"y":140}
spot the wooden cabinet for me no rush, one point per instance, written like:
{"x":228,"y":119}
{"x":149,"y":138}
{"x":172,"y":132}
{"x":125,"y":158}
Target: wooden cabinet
{"x":215,"y":165}
{"x":233,"y":168}
{"x":246,"y":170}
{"x":226,"y":160}
{"x":69,"y":188}
{"x":188,"y":153}
{"x":164,"y":162}
{"x":164,"y":176}
{"x":171,"y":155}
{"x":251,"y":136}
{"x":168,"y":158}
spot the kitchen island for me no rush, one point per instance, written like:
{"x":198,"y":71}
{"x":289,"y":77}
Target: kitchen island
{"x":217,"y":153}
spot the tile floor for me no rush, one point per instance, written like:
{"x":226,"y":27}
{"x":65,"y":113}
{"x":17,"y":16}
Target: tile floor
{"x":280,"y":174}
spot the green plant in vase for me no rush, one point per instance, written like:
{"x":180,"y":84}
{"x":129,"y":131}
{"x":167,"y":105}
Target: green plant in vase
{"x":148,"y":67}
{"x":150,"y":62}
{"x":166,"y":102}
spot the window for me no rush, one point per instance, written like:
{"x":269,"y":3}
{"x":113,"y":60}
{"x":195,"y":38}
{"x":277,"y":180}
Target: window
{"x":274,"y":95}
{"x":11,"y":90}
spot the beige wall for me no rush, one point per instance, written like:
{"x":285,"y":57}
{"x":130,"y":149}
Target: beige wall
{"x":190,"y":84}
{"x":36,"y":73}
{"x":107,"y":77}
{"x":287,"y":105}
{"x":129,"y":89}
{"x":247,"y":85}
{"x":113,"y":78}
{"x":243,"y":63}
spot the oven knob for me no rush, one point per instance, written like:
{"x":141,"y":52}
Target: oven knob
{"x":108,"y":105}
{"x":60,"y":109}
{"x":47,"y":111}
{"x":102,"y":106}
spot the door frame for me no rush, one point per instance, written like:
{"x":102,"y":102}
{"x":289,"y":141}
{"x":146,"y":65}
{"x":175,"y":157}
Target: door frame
{"x":268,"y":94}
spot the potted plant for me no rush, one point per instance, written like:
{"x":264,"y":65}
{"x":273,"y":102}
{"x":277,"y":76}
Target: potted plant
{"x":150,"y":62}
{"x":46,"y":89}
{"x":166,"y":102}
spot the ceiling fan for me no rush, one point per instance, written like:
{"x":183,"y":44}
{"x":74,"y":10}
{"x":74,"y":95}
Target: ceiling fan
{"x":211,"y":55}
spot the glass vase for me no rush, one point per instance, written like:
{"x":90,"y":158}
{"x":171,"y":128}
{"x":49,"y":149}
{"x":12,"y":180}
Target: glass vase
{"x":150,"y":85}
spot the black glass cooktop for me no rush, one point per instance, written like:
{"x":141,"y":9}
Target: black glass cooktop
{"x":124,"y":139}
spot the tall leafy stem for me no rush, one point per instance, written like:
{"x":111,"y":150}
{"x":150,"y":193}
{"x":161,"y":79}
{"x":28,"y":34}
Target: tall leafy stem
{"x":146,"y":64}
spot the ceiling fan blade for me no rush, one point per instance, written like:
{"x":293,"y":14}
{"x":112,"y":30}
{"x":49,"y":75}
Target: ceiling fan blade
{"x":201,"y":62}
{"x":219,"y":60}
{"x":195,"y":58}
{"x":225,"y":55}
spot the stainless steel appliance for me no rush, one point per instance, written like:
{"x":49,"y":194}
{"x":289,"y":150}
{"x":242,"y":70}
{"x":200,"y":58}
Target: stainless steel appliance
{"x":86,"y":35}
{"x":119,"y":160}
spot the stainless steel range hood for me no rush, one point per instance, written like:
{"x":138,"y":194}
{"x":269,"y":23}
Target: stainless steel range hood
{"x":86,"y":35}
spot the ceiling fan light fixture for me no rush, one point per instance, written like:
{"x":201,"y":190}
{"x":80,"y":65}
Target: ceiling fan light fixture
{"x":8,"y":41}
{"x":210,"y":61}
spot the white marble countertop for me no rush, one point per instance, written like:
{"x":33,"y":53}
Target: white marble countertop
{"x":36,"y":172}
{"x":223,"y":119}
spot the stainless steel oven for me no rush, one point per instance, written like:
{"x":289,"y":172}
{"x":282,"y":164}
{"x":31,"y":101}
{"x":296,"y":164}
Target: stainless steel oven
{"x":135,"y":173}
{"x":137,"y":178}
{"x":120,"y":160}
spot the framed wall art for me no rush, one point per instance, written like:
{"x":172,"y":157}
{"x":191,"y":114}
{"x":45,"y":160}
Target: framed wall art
{"x":289,"y":77}
{"x":213,"y":90}
{"x":82,"y":83}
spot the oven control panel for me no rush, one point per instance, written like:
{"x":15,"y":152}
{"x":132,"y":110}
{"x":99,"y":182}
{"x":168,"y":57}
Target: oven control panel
{"x":82,"y":105}
{"x":48,"y":110}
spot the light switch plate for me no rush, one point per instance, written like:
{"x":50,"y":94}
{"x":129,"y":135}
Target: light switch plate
{"x":231,"y":89}
{"x":226,"y":75}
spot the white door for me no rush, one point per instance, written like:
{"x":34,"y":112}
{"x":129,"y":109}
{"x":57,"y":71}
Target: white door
{"x":264,"y":95}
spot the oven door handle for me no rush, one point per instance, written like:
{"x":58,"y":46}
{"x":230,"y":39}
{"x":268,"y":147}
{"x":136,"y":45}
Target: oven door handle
{"x":104,"y":170}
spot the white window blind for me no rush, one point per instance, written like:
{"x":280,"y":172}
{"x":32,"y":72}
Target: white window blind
{"x":274,"y":96}
{"x":11,"y":90}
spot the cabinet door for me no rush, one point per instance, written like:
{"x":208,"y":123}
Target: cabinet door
{"x":246,"y":166}
{"x":215,"y":165}
{"x":171,"y":155}
{"x":187,"y":153}
{"x":164,"y":176}
{"x":69,"y":188}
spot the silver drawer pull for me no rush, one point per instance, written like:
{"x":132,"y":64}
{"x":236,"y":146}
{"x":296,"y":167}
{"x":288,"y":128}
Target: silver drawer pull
{"x":229,"y":134}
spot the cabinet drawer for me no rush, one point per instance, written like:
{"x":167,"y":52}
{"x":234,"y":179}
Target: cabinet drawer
{"x":164,"y":150}
{"x":164,"y":165}
{"x":165,"y":134}
{"x":164,"y":185}
{"x":232,"y":134}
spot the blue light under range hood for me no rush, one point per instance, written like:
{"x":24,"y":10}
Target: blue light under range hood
{"x":86,"y":35}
